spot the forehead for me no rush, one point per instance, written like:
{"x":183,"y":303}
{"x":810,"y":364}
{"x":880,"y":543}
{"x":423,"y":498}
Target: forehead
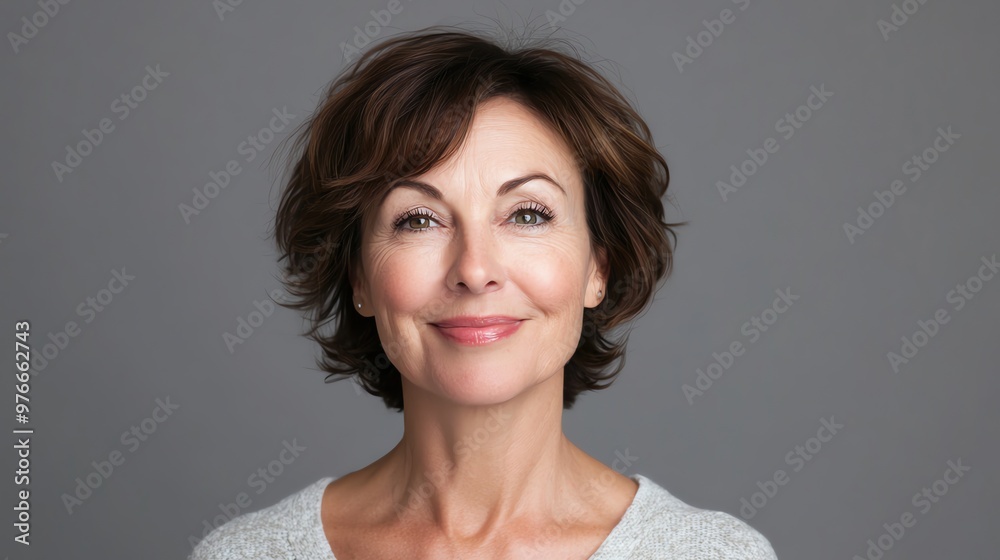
{"x":507,"y":137}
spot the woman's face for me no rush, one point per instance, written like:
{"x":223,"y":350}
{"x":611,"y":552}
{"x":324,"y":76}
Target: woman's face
{"x":474,"y":252}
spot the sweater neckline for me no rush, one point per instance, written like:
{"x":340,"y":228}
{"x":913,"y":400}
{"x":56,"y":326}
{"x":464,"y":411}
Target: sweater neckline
{"x":626,"y":531}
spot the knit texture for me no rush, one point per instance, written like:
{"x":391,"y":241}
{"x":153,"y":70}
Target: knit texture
{"x":656,"y":525}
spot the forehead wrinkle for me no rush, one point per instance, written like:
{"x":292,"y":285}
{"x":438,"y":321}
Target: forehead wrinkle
{"x":504,"y":189}
{"x":491,"y":129}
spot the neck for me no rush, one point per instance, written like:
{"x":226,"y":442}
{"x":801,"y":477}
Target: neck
{"x":474,"y":470}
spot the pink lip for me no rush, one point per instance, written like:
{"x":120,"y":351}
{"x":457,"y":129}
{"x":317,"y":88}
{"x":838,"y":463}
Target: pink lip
{"x":477,"y":331}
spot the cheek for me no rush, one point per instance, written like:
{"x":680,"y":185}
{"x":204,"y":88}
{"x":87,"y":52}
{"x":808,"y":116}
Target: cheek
{"x":408,"y":282}
{"x":401,"y":280}
{"x":552,"y":277}
{"x":400,"y":283}
{"x":550,"y":273}
{"x":553,"y":284}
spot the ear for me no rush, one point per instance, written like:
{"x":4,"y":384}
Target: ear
{"x":597,"y":278}
{"x":359,"y":288}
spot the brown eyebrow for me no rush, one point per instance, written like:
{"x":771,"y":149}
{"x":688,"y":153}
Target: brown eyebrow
{"x":505,"y":188}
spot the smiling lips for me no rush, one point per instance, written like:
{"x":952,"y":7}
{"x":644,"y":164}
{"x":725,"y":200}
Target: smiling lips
{"x":477,"y":331}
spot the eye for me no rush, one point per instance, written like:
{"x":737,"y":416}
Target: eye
{"x":532,"y":208}
{"x":417,"y":220}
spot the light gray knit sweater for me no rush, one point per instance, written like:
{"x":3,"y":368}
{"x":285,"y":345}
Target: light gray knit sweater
{"x":656,"y":525}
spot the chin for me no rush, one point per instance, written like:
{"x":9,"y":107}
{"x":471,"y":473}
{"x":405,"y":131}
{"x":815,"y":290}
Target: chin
{"x":481,"y":387}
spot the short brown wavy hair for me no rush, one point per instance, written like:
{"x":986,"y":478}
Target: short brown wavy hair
{"x":405,"y":105}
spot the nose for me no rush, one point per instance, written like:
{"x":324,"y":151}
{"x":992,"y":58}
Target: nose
{"x":477,"y":263}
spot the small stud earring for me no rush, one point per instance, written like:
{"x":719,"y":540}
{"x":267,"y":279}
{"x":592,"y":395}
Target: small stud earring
{"x":599,"y":293}
{"x":359,"y":306}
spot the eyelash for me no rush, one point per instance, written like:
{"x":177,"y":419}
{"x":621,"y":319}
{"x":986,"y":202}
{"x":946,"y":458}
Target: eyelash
{"x":539,"y":209}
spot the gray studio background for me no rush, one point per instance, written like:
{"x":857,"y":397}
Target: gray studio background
{"x":161,"y":339}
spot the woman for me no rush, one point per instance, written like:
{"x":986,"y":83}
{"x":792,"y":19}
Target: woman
{"x":476,"y":219}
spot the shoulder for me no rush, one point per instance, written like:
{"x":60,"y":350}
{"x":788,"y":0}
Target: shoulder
{"x":271,"y":532}
{"x":674,"y":528}
{"x":708,"y":534}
